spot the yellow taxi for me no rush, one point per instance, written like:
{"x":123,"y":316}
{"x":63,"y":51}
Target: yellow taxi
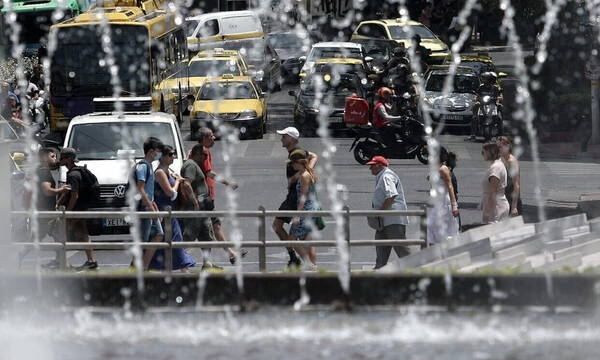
{"x":480,"y":63}
{"x":229,"y":100}
{"x":205,"y":64}
{"x":401,"y":32}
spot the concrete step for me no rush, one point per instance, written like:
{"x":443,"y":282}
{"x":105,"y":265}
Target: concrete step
{"x":586,"y":248}
{"x":571,"y":261}
{"x":453,"y":262}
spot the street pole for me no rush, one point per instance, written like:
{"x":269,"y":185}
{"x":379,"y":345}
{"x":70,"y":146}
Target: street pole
{"x":595,"y":113}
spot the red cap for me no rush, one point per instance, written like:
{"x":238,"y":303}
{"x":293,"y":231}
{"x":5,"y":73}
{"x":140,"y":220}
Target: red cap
{"x":378,"y":160}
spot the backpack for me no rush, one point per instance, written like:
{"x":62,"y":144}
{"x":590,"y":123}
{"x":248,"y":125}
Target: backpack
{"x":91,"y":187}
{"x":133,"y":180}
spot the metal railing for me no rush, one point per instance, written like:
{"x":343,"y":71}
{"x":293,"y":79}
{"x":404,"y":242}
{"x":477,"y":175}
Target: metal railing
{"x":262,"y":244}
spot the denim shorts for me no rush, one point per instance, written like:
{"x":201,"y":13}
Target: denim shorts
{"x":150,"y":228}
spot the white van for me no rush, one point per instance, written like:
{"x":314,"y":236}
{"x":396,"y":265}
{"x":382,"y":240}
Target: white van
{"x":101,"y":145}
{"x":219,"y":26}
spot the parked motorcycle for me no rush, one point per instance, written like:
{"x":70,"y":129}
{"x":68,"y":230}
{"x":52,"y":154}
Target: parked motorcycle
{"x":489,"y":119}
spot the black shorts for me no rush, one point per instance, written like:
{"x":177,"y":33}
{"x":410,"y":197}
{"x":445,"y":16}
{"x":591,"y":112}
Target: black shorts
{"x":290,"y":203}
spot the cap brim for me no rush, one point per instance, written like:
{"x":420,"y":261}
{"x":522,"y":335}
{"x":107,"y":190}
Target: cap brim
{"x":372,"y":163}
{"x":281,"y":132}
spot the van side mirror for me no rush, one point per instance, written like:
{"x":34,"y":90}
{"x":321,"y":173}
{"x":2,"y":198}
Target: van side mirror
{"x":302,"y":58}
{"x":502,"y":75}
{"x":292,"y":93}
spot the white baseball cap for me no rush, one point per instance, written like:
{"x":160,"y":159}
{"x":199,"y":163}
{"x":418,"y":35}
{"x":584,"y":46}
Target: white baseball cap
{"x":291,"y":131}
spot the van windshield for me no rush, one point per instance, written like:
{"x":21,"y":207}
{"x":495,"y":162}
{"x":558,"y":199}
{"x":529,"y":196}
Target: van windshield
{"x":335,"y":52}
{"x":106,"y":141}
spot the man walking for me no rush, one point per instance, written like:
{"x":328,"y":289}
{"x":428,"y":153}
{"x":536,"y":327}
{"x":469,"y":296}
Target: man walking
{"x":46,"y":197}
{"x":78,"y":200}
{"x":289,"y":140}
{"x":197,"y":196}
{"x":207,"y":139}
{"x":388,"y":195}
{"x":150,"y":228}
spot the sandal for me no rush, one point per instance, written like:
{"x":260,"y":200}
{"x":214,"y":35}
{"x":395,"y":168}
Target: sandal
{"x":233,"y":259}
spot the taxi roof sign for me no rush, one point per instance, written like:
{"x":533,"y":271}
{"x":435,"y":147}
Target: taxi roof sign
{"x":227,"y":76}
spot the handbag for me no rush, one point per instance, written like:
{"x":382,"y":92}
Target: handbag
{"x":319,"y":221}
{"x":375,"y":222}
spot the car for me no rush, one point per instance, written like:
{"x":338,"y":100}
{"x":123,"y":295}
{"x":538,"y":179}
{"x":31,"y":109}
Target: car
{"x":234,"y":101}
{"x":337,"y":66}
{"x":262,"y":61}
{"x":220,"y":26}
{"x":480,"y":62}
{"x":109,"y":144}
{"x":323,"y":93}
{"x":401,"y":31}
{"x":290,"y":47}
{"x":455,"y":109}
{"x":328,"y":50}
{"x":205,"y":64}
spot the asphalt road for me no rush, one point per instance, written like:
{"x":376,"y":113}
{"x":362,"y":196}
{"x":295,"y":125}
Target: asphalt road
{"x":259,"y":168}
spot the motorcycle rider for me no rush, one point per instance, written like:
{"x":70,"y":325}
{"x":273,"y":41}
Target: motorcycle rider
{"x":421,"y":52}
{"x":388,"y":125}
{"x":488,"y":87}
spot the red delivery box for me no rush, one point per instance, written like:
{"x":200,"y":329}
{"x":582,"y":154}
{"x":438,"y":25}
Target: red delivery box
{"x":356,"y":111}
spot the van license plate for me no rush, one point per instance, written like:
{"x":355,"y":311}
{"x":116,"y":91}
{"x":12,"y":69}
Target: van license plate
{"x":114,"y":222}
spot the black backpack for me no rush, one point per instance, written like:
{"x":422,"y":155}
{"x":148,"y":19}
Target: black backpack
{"x":90,"y":191}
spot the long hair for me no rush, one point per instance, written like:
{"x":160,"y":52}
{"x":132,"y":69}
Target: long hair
{"x":311,"y":172}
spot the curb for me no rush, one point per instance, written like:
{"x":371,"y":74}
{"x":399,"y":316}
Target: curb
{"x":368,"y":289}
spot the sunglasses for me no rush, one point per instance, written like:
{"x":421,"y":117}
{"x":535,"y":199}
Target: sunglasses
{"x":171,"y":154}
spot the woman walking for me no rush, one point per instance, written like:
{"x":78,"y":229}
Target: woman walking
{"x":451,"y":164}
{"x":513,"y":176}
{"x":307,"y":200}
{"x":442,"y":221}
{"x":493,"y":203}
{"x":165,"y":194}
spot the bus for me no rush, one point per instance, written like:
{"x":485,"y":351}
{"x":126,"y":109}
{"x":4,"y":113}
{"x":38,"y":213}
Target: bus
{"x":35,"y":18}
{"x":148,"y":48}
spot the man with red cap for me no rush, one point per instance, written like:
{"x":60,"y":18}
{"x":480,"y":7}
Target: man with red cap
{"x":388,"y":195}
{"x":390,"y":125}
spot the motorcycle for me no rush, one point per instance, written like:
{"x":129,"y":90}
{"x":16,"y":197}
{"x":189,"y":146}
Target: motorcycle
{"x":369,"y":142}
{"x":489,"y":120}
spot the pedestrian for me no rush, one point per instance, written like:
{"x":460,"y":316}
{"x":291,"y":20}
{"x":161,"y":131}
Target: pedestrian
{"x":289,"y":140}
{"x":165,"y":194}
{"x":513,"y":176}
{"x":388,"y":195}
{"x":207,"y":139}
{"x":442,"y":220}
{"x":451,"y":163}
{"x":46,"y":198}
{"x":197,"y":198}
{"x":494,"y":205}
{"x":306,"y":194}
{"x":77,"y":199}
{"x":425,"y":16}
{"x":150,"y":229}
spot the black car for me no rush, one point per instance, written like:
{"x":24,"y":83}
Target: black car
{"x":263,"y":62}
{"x":323,"y":96}
{"x":290,"y":46}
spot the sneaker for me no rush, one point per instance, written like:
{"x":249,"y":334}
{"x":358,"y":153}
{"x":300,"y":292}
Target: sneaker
{"x":51,"y":265}
{"x":294,"y":261}
{"x":88,"y":265}
{"x":233,"y":259}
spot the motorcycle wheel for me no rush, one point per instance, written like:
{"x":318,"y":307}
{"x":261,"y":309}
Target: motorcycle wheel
{"x":362,"y":154}
{"x":423,"y":154}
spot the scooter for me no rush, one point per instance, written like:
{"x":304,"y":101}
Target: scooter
{"x":369,"y":142}
{"x":489,"y":119}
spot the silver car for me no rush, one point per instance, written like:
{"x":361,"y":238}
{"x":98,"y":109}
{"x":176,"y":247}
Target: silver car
{"x":456,"y":108}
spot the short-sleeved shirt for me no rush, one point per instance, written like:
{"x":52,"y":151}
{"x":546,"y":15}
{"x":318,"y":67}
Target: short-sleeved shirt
{"x":193,"y":172}
{"x":289,"y":169}
{"x":206,"y":168}
{"x":45,"y":203}
{"x":144,"y":172}
{"x":75,"y":181}
{"x":387,"y":185}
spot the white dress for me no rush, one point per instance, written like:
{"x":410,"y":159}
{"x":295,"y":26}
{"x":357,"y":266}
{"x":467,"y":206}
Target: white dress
{"x":441,"y":224}
{"x":500,"y":208}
